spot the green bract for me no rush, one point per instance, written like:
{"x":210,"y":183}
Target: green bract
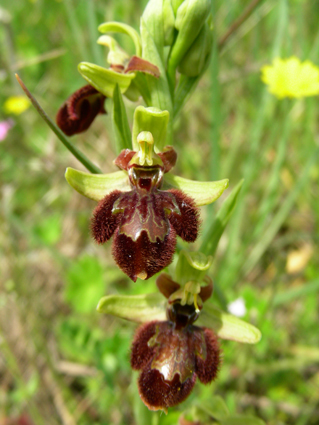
{"x":148,"y":307}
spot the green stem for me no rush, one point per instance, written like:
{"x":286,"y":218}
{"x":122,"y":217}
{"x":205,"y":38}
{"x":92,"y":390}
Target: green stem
{"x":75,"y":151}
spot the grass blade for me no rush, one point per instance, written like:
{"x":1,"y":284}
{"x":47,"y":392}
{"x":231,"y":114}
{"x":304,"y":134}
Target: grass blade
{"x":75,"y":151}
{"x":214,"y":233}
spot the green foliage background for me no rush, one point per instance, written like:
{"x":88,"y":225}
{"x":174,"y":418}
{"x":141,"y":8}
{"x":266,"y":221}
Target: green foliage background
{"x":59,"y":360}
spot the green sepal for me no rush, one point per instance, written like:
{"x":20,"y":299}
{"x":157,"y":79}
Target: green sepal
{"x":104,"y":80}
{"x":153,"y":120}
{"x":123,"y":29}
{"x":203,"y":193}
{"x":219,"y":223}
{"x":97,"y":186}
{"x":147,"y":307}
{"x":121,"y":126}
{"x":136,"y":308}
{"x":227,"y":326}
{"x":192,"y":266}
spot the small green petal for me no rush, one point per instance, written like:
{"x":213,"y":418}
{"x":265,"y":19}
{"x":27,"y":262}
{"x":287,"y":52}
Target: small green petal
{"x":104,"y":80}
{"x":124,"y":29}
{"x":97,"y":186}
{"x":137,"y":308}
{"x":116,"y":54}
{"x":203,"y":193}
{"x":227,"y":326}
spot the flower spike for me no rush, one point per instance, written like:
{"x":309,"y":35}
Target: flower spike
{"x":145,"y":220}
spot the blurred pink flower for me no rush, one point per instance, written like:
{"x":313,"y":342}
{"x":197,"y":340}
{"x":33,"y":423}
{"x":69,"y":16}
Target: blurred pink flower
{"x":4,"y":128}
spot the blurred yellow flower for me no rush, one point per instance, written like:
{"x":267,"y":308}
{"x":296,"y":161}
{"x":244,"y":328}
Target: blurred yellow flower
{"x":291,"y":78}
{"x":16,"y":105}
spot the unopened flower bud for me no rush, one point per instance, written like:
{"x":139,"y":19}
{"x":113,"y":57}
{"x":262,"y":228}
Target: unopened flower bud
{"x":197,"y":57}
{"x":169,"y":22}
{"x":190,"y":18}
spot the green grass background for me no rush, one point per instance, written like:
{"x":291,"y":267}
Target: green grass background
{"x":60,"y":361}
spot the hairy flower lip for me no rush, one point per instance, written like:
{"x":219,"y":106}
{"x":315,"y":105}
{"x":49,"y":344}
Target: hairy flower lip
{"x":80,"y":109}
{"x":144,"y":223}
{"x":171,"y":355}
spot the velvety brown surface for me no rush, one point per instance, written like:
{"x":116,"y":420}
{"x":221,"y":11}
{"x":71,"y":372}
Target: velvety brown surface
{"x":79,"y":111}
{"x":171,"y":357}
{"x":103,"y":222}
{"x":186,"y":223}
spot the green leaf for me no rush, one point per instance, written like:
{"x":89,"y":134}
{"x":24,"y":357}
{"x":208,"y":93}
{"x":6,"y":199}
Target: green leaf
{"x":203,"y":193}
{"x":219,"y":223}
{"x":241,"y":420}
{"x":153,"y":120}
{"x":137,"y":308}
{"x":121,"y":127}
{"x":227,"y":326}
{"x":97,"y":186}
{"x":104,"y":80}
{"x":192,"y":266}
{"x":124,"y":29}
{"x":215,"y":407}
{"x":84,"y":284}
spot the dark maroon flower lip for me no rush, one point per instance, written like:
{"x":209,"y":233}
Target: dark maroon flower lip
{"x":79,"y":111}
{"x":145,"y":220}
{"x":171,"y":355}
